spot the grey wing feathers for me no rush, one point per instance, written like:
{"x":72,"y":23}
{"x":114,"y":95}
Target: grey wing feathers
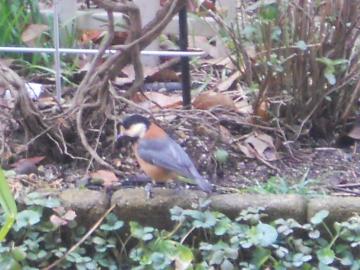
{"x":166,"y":153}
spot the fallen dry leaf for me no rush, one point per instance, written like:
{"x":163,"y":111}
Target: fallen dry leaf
{"x":108,"y":177}
{"x":203,"y":43}
{"x":58,"y":221}
{"x":46,"y":102}
{"x":61,"y":220}
{"x":355,"y":130}
{"x":259,"y":145}
{"x":243,"y":106}
{"x":225,"y":134}
{"x":27,"y":165}
{"x":150,"y":71}
{"x":32,"y":32}
{"x":91,"y":35}
{"x":154,"y":100}
{"x":210,"y":99}
{"x":262,"y":110}
{"x":226,"y":84}
{"x":69,"y":215}
{"x":165,"y":75}
{"x":220,"y":62}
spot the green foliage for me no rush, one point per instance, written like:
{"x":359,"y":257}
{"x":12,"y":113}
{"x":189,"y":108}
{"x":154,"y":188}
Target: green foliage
{"x":279,"y":185}
{"x":8,"y":205}
{"x":200,"y":239}
{"x":15,"y":16}
{"x":221,"y":156}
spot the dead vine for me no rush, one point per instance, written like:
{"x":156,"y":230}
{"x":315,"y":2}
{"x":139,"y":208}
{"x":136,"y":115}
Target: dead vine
{"x":93,"y":99}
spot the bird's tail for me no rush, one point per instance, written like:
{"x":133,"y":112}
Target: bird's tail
{"x":201,"y":181}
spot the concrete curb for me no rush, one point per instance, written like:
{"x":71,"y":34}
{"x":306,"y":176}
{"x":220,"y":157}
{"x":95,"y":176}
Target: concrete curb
{"x":132,"y":204}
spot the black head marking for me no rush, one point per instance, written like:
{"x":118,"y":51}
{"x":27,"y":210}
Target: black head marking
{"x":135,"y":119}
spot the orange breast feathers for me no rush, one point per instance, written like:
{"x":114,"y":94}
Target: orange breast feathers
{"x":154,"y":132}
{"x":156,"y":173}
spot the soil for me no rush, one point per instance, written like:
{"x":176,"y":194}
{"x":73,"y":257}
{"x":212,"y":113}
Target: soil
{"x":332,"y":170}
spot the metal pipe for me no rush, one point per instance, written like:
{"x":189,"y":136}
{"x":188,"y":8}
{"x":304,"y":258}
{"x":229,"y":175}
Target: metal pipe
{"x":185,"y":65}
{"x":56,"y":52}
{"x":95,"y":51}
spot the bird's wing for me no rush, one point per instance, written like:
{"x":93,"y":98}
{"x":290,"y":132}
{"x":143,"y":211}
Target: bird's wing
{"x":166,"y":153}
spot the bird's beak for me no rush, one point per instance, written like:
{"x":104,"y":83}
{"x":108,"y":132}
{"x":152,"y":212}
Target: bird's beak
{"x":119,"y":137}
{"x":121,"y":133}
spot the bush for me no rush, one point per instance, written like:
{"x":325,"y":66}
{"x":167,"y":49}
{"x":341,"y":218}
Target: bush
{"x":200,"y":239}
{"x":301,"y":57}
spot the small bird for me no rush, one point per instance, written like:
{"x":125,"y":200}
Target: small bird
{"x":159,"y":156}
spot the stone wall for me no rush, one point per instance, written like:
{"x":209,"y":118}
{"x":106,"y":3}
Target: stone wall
{"x":132,"y":204}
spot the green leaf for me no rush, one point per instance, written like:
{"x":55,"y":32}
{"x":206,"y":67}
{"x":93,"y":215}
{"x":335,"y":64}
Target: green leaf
{"x":9,"y":263}
{"x":139,"y":232}
{"x":205,"y":220}
{"x":266,"y":234}
{"x":8,"y":204}
{"x":159,"y":260}
{"x":27,"y":218}
{"x":98,"y":240}
{"x":177,"y":213}
{"x":326,"y":255}
{"x":301,"y":45}
{"x":227,"y":265}
{"x":315,"y":234}
{"x":299,"y":259}
{"x":222,"y":226}
{"x":185,"y":253}
{"x":319,"y":217}
{"x":18,"y":253}
{"x":330,"y":77}
{"x":112,"y":224}
{"x":217,"y":257}
{"x":269,"y":12}
{"x":36,"y":198}
{"x":221,"y":155}
{"x":260,"y":256}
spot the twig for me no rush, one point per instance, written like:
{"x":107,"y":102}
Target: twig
{"x":346,"y":190}
{"x":82,"y":240}
{"x":97,"y":144}
{"x":86,"y":144}
{"x":125,"y":100}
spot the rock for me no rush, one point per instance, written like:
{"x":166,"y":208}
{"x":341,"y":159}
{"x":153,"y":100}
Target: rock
{"x":276,"y":206}
{"x":89,"y":205}
{"x":340,"y":208}
{"x":132,"y":204}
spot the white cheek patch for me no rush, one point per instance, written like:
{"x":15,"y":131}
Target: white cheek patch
{"x":136,"y":130}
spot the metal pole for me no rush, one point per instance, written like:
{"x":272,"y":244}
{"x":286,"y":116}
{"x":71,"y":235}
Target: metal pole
{"x":185,"y":65}
{"x":57,"y":52}
{"x":95,"y":51}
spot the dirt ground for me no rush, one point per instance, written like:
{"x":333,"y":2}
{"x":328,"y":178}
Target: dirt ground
{"x":326,"y":169}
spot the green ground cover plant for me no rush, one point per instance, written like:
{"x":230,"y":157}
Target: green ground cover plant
{"x":200,"y":239}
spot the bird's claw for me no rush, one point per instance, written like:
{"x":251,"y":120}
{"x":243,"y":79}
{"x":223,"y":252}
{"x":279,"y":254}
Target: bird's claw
{"x":148,"y":191}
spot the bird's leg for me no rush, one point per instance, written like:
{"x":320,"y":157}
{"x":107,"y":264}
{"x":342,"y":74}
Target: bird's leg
{"x":173,"y":185}
{"x":148,"y":191}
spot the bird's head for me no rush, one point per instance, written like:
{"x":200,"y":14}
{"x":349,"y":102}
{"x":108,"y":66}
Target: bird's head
{"x":134,"y":126}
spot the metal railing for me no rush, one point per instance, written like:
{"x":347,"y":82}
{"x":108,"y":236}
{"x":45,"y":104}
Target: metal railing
{"x":57,"y":51}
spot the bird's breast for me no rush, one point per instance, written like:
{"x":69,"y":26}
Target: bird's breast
{"x":156,"y":173}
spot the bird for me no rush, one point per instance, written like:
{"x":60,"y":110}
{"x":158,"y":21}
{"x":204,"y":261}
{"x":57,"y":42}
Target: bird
{"x":158,"y":155}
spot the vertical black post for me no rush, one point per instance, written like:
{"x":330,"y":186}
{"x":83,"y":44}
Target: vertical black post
{"x":185,"y":66}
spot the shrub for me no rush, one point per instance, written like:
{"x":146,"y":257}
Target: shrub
{"x":301,"y":57}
